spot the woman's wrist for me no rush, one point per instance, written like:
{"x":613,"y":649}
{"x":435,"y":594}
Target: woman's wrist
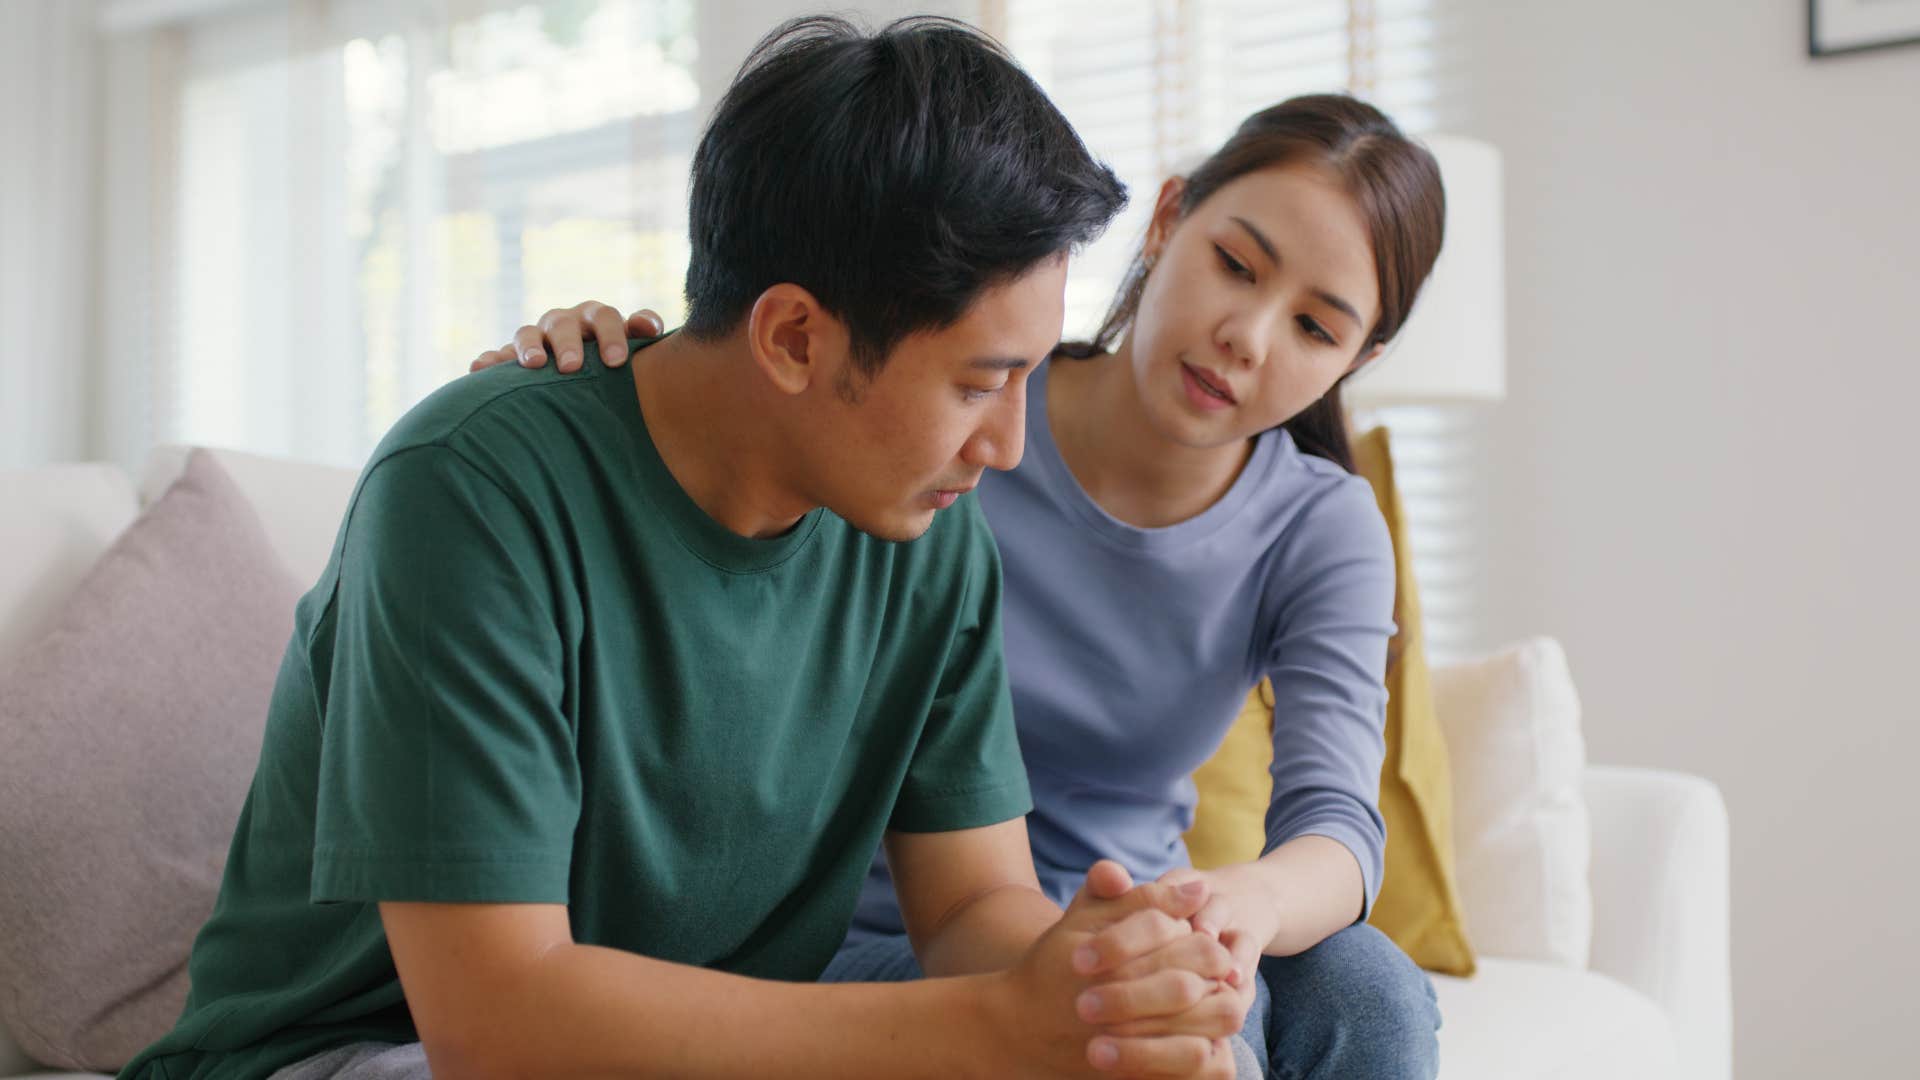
{"x":1316,"y":890}
{"x":1255,"y":894}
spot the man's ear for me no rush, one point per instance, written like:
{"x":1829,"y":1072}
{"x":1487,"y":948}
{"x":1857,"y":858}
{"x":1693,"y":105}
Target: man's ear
{"x":795,"y":342}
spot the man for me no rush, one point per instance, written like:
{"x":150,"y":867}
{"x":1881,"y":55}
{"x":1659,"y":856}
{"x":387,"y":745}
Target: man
{"x":614,"y":683}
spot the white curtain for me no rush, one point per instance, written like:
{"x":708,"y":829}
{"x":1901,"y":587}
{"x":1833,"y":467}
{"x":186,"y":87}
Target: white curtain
{"x":321,"y":209}
{"x":340,"y":201}
{"x":46,"y":234}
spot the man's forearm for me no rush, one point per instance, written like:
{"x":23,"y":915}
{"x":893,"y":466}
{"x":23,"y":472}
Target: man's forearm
{"x":988,"y":932}
{"x":587,"y":1011}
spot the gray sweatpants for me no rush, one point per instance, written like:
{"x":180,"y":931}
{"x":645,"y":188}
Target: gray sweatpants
{"x":408,"y":1061}
{"x":362,"y":1061}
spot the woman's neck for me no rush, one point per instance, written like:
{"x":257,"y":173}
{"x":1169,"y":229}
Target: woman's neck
{"x":1120,"y":459}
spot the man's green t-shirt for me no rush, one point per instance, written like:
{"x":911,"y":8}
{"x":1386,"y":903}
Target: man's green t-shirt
{"x":534,"y":671}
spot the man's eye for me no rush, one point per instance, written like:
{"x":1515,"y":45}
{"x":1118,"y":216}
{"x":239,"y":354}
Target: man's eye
{"x":975,"y":393}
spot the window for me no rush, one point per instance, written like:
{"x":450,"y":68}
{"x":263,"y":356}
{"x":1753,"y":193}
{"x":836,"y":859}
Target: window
{"x":347,"y":199}
{"x":368,"y":194}
{"x":1153,"y":87}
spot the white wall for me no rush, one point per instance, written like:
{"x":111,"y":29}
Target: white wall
{"x":1704,"y":473}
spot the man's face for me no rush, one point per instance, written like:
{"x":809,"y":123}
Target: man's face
{"x":894,"y":450}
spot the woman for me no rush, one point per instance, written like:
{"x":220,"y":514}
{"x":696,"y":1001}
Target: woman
{"x":1186,"y":522}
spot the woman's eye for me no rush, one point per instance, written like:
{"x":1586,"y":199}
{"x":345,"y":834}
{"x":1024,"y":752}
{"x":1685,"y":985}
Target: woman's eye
{"x":1233,"y":266}
{"x":1316,"y":331}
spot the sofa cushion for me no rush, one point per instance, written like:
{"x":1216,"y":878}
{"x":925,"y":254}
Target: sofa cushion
{"x":56,"y":522}
{"x":129,"y":734}
{"x":1521,"y":832}
{"x":1518,"y":1020}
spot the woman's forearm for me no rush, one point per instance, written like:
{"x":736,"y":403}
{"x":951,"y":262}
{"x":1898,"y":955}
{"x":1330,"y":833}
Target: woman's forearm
{"x":1316,"y":888}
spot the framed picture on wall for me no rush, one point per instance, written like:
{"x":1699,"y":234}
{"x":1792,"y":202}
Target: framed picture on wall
{"x":1848,"y":26}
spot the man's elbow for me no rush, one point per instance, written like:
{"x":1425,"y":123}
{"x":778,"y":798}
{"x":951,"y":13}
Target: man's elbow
{"x":498,"y":1056}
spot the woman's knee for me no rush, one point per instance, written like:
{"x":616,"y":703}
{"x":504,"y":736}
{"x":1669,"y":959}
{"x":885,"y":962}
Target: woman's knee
{"x":1352,"y":1005}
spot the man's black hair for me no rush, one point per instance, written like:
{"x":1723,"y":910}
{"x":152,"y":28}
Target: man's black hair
{"x":894,"y":175}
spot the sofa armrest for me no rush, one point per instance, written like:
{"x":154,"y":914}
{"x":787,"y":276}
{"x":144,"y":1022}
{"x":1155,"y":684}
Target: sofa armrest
{"x":1660,"y":903}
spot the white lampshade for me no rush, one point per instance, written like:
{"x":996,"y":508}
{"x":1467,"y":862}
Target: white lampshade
{"x":1454,"y":348}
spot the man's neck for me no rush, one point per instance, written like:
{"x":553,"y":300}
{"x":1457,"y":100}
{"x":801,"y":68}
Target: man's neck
{"x":708,"y":411}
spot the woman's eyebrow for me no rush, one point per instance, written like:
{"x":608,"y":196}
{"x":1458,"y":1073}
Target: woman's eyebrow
{"x":1338,"y":304}
{"x":1259,"y":238}
{"x":1273,"y":254}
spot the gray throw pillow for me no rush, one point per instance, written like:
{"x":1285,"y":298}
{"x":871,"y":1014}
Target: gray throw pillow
{"x":128,"y":737}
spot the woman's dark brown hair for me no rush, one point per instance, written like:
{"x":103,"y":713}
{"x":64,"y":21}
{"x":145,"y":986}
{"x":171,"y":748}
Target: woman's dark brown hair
{"x":1393,"y":179}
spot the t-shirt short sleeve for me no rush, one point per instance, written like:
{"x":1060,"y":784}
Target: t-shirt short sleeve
{"x":448,"y":769}
{"x":966,"y":771}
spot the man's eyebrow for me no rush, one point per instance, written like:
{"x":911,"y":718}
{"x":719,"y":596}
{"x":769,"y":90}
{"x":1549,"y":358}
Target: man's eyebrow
{"x":1000,"y":363}
{"x":1322,"y":295}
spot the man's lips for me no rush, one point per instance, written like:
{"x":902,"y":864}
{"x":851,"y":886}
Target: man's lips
{"x":1212,"y":382}
{"x":945,"y":497}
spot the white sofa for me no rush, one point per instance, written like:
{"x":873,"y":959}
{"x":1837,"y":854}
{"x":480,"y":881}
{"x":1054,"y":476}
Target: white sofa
{"x":1654,"y":1002}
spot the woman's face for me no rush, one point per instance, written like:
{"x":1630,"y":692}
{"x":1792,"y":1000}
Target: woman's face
{"x":1257,"y":302}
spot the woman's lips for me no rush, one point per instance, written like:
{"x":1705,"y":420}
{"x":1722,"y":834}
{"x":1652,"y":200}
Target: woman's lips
{"x":1206,"y":390}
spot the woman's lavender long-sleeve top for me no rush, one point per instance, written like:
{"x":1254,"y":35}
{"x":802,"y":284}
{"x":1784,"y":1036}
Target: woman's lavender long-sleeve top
{"x":1131,"y":651}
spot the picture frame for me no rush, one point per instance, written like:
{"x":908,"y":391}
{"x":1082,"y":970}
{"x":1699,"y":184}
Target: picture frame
{"x":1839,"y":27}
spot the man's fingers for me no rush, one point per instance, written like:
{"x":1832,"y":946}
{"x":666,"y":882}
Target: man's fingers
{"x":529,"y":345}
{"x":1217,"y":1016}
{"x":1108,"y":880}
{"x":1199,"y":953}
{"x":607,"y":328}
{"x":1164,"y":993}
{"x":645,"y":323}
{"x":1132,"y":937}
{"x":1181,"y":900}
{"x":1150,"y":1059}
{"x":1107,"y":883}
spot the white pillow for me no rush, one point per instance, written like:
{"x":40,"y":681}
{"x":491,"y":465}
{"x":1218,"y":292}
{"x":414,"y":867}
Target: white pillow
{"x":1520,"y":827}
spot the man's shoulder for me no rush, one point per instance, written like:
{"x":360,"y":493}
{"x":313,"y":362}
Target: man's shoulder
{"x":503,"y":407}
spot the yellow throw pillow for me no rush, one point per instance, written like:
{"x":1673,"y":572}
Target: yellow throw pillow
{"x":1419,"y":904}
{"x":1230,"y":822}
